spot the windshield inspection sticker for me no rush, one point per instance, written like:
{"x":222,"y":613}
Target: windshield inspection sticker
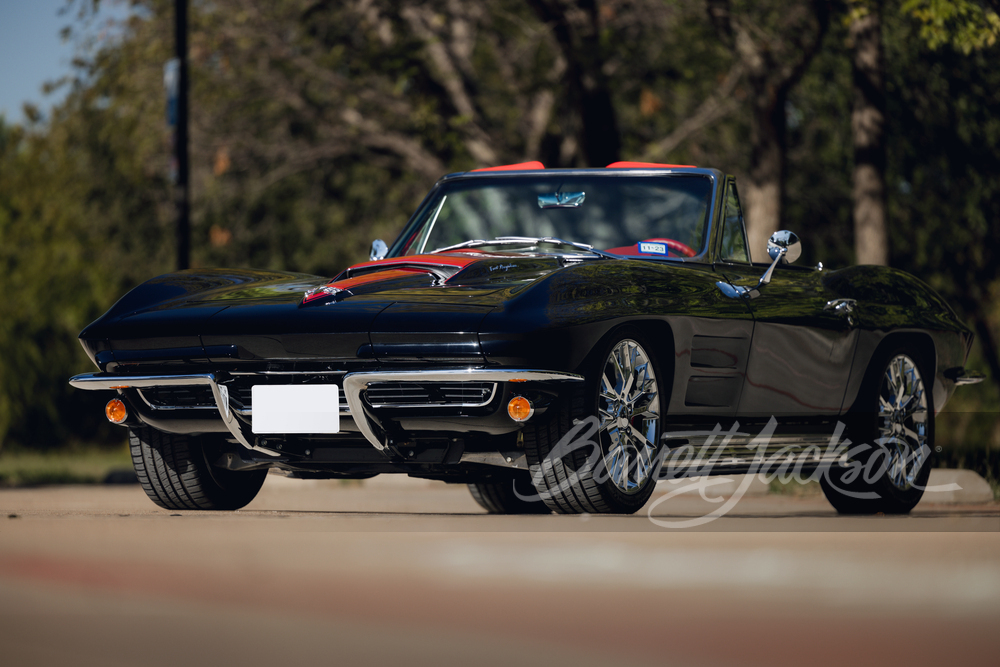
{"x":653,"y":248}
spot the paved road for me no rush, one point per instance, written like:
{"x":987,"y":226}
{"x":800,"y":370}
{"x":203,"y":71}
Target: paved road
{"x":397,"y":571}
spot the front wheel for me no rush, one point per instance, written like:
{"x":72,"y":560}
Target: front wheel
{"x":598,"y":451}
{"x":176,"y":474}
{"x":512,"y":494}
{"x":893,"y":440}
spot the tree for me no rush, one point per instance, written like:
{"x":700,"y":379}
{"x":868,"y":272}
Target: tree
{"x":871,"y":237}
{"x":576,"y":27}
{"x":53,"y":280}
{"x":350,"y":111}
{"x":966,"y":25}
{"x":775,"y":43}
{"x":943,"y":161}
{"x":318,"y":125}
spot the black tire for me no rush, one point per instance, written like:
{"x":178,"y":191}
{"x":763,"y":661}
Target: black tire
{"x":498,"y":497}
{"x":581,"y":480}
{"x":175,"y":473}
{"x":871,"y":484}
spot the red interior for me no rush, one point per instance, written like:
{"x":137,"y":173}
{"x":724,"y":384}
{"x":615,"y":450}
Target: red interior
{"x":676,"y":248}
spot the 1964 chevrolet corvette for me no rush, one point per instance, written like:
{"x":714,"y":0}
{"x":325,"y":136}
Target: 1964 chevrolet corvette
{"x":555,"y":339}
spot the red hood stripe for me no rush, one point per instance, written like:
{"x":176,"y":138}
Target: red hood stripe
{"x":460,"y":261}
{"x":374,"y":277}
{"x":347,"y":284}
{"x":397,"y":267}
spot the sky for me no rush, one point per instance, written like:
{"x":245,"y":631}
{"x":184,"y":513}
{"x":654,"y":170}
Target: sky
{"x":32,"y":52}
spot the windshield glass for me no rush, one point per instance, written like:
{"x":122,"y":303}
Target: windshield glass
{"x":650,"y":216}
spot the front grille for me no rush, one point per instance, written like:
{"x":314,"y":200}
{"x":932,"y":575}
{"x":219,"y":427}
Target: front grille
{"x":197,"y":397}
{"x":179,"y":397}
{"x":242,"y":394}
{"x":422,"y":394}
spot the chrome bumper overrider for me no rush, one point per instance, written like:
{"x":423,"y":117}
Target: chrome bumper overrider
{"x":219,"y":391}
{"x":354,"y":384}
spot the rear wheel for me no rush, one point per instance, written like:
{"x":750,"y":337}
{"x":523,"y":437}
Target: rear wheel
{"x":597,"y":451}
{"x":897,"y":422}
{"x":499,"y":497}
{"x":176,"y":474}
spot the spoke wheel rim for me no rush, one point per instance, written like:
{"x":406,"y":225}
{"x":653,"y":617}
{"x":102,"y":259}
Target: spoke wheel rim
{"x":629,"y":413}
{"x":903,"y":421}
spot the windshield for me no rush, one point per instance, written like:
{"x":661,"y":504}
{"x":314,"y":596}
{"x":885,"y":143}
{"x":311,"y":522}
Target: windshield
{"x":650,"y":216}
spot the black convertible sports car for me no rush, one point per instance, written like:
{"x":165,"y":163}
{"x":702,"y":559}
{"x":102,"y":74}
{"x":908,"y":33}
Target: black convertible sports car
{"x":556,"y":339}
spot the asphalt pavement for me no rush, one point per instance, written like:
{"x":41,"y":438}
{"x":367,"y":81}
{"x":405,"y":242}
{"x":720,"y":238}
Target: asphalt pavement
{"x":400,"y":571}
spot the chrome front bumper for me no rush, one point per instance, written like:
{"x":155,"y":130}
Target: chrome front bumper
{"x":220,"y":392}
{"x":354,"y":385}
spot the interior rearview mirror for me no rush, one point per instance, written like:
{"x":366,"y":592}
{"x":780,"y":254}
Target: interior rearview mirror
{"x":379,"y":250}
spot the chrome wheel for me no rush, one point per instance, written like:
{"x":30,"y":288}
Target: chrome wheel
{"x":903,"y":421}
{"x":629,"y":411}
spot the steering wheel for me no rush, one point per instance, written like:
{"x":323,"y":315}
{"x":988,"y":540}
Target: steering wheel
{"x":678,"y":247}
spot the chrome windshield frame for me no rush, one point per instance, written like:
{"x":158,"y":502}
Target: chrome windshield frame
{"x":705,"y":254}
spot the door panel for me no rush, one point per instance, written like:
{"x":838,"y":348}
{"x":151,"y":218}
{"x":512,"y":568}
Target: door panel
{"x":802,"y":349}
{"x":712,"y":336}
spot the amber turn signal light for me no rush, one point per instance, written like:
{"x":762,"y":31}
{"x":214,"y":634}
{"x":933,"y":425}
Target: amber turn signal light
{"x":520,"y":409}
{"x":115,"y":411}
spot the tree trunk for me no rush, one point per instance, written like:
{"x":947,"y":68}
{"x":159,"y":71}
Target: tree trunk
{"x":871,"y":236}
{"x":576,"y":27}
{"x":766,"y":184}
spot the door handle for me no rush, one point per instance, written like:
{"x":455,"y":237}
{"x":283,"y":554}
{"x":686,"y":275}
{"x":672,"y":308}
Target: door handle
{"x":841,"y":306}
{"x":737,"y":291}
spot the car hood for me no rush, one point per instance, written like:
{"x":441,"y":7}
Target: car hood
{"x":209,"y":314}
{"x":466,"y":277}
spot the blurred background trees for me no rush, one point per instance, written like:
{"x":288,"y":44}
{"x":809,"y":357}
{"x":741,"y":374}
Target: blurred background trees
{"x":317,"y":125}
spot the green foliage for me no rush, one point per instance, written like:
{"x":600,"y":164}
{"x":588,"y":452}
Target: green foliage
{"x":965,"y":25}
{"x":52,"y":284}
{"x":944,"y":172}
{"x":318,"y":126}
{"x":82,"y":466}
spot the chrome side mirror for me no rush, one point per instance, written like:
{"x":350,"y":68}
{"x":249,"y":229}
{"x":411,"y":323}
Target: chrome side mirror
{"x":782,"y":247}
{"x":379,"y":250}
{"x":784,"y":241}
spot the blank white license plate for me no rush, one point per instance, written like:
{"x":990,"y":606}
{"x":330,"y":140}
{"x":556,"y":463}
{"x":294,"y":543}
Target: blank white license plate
{"x":300,"y":408}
